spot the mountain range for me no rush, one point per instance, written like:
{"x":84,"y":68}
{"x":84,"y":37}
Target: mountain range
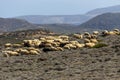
{"x":101,"y":19}
{"x":68,"y":19}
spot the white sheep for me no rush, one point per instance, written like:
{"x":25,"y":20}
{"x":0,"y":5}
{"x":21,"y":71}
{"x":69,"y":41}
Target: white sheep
{"x":89,"y":44}
{"x":8,"y":45}
{"x":10,"y":53}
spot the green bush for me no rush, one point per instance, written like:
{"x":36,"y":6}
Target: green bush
{"x":99,"y":45}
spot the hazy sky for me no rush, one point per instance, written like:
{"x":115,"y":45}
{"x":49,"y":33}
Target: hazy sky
{"x":11,"y":8}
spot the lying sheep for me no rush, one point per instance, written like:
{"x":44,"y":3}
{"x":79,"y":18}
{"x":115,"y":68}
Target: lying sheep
{"x":70,"y":46}
{"x":79,"y":45}
{"x":49,"y":38}
{"x":17,"y":45}
{"x":86,"y":40}
{"x":46,"y":49}
{"x":64,"y":37}
{"x":8,"y":45}
{"x":94,"y":40}
{"x":33,"y":52}
{"x":10,"y":53}
{"x":89,"y":44}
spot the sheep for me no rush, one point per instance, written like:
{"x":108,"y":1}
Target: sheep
{"x":93,"y":36}
{"x":60,"y":49}
{"x":86,"y":33}
{"x":95,"y":32}
{"x":42,"y":39}
{"x":33,"y":52}
{"x":55,"y":44}
{"x":37,"y":43}
{"x":8,"y":45}
{"x":86,"y":40}
{"x":105,"y":33}
{"x":89,"y":44}
{"x":69,"y":46}
{"x":58,"y":40}
{"x":17,"y":45}
{"x":111,"y":33}
{"x":27,"y":43}
{"x":79,"y":45}
{"x":116,"y":31}
{"x":49,"y":41}
{"x":35,"y":49}
{"x":63,"y":37}
{"x":93,"y":40}
{"x":24,"y":51}
{"x":49,"y":38}
{"x":10,"y":53}
{"x":78,"y":36}
{"x":46,"y":49}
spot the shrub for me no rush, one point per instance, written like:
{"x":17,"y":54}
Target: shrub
{"x":99,"y":45}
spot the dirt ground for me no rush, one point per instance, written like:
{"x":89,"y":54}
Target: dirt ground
{"x":80,"y":64}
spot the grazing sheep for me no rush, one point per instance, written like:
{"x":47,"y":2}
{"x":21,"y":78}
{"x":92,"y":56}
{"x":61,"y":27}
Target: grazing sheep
{"x":116,"y":31}
{"x":105,"y":32}
{"x":24,"y":51}
{"x":42,"y":39}
{"x":95,"y":32}
{"x":32,"y":48}
{"x":8,"y":45}
{"x":86,"y":33}
{"x":93,"y":40}
{"x":78,"y":36}
{"x":111,"y":33}
{"x":49,"y":38}
{"x":64,"y":37}
{"x":86,"y":40}
{"x":49,"y":41}
{"x":60,"y":49}
{"x":93,"y":36}
{"x":58,"y":40}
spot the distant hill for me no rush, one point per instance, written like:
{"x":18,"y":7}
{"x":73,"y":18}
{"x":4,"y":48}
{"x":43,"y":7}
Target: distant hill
{"x":55,"y":19}
{"x":11,"y":24}
{"x":111,"y":9}
{"x":68,"y":19}
{"x":59,"y":28}
{"x":104,"y":21}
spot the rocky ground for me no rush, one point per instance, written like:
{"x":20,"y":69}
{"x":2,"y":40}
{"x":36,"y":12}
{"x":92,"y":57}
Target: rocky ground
{"x":80,"y":64}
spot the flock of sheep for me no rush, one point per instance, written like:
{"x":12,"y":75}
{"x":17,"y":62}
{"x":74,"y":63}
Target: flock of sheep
{"x":55,"y":43}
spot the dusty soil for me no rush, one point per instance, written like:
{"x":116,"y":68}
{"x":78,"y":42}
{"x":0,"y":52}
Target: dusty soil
{"x":80,"y":64}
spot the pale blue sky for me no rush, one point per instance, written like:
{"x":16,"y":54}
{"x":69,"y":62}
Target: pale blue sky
{"x":11,"y":8}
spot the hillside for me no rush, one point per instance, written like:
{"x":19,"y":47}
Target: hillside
{"x":68,"y":19}
{"x":104,"y":21}
{"x":111,"y":9}
{"x":12,"y":24}
{"x":85,"y":63}
{"x":59,"y":28}
{"x":55,"y":19}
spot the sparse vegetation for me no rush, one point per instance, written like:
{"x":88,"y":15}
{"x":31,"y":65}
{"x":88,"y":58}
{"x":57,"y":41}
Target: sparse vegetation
{"x":99,"y":45}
